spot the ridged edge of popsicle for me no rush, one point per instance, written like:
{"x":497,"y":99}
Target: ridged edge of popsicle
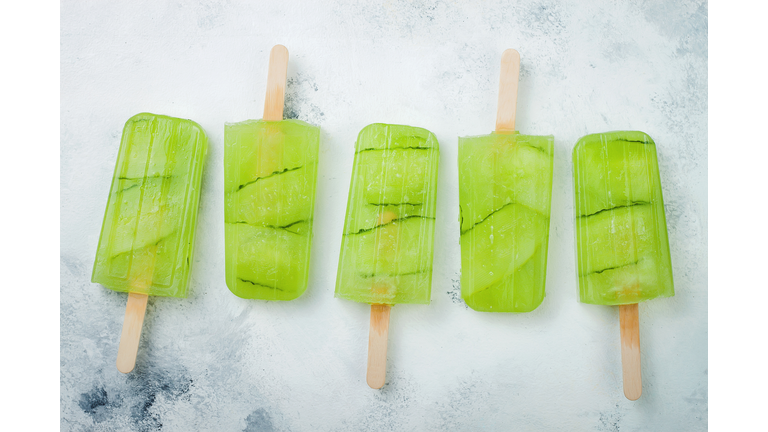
{"x":429,"y":135}
{"x":251,"y":121}
{"x":629,"y":136}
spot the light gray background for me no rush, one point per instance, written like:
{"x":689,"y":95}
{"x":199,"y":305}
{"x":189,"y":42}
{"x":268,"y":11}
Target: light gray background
{"x":215,"y":362}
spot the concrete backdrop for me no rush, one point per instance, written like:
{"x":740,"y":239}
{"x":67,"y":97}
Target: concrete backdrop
{"x":215,"y":362}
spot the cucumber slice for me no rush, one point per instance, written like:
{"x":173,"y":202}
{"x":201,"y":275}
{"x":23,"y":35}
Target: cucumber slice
{"x":377,"y":260}
{"x":398,"y":176}
{"x":647,"y":279}
{"x":613,"y":170}
{"x":519,"y":291}
{"x":269,"y":263}
{"x":385,"y":289}
{"x":277,"y":200}
{"x":368,"y":216}
{"x":391,"y":249}
{"x":616,"y":238}
{"x":155,"y":262}
{"x":257,"y":149}
{"x":143,"y":211}
{"x":496,"y":247}
{"x":367,"y":213}
{"x":500,"y":169}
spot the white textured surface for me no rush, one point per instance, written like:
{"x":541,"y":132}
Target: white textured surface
{"x":214,"y":362}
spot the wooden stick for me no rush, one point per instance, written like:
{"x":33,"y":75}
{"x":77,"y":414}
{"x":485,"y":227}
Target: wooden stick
{"x":129,"y":339}
{"x":278,"y":71}
{"x":510,"y":74}
{"x":630,"y":350}
{"x":377,"y":346}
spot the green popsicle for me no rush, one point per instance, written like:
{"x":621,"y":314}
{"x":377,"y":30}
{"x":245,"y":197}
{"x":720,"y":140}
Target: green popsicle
{"x":147,"y":236}
{"x":621,"y":231}
{"x":387,"y":246}
{"x":505,"y":188}
{"x":270,"y":175}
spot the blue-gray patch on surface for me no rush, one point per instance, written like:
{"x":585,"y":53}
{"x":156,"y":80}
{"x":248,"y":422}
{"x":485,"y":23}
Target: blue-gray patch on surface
{"x":610,"y":421}
{"x":151,"y":386}
{"x":455,"y":292}
{"x":138,"y":397}
{"x":297,"y":102}
{"x":95,"y":403}
{"x":259,"y":421}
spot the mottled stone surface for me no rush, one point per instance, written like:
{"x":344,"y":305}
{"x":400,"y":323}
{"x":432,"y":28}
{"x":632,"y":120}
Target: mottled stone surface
{"x":214,"y":362}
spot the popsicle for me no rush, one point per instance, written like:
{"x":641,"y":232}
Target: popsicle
{"x":621,"y":233}
{"x":270,"y":175}
{"x":505,"y":189}
{"x":147,"y":236}
{"x":387,"y":246}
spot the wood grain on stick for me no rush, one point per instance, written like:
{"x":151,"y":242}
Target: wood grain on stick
{"x":129,"y":338}
{"x":509,"y":76}
{"x":377,"y":346}
{"x":630,"y":350}
{"x":278,"y":71}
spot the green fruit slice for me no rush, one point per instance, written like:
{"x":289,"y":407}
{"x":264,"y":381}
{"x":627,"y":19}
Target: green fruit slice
{"x":614,"y":175}
{"x":396,"y":176}
{"x":628,"y":284}
{"x":514,"y":293}
{"x":499,"y":245}
{"x":616,"y":237}
{"x":259,"y":149}
{"x":277,"y":200}
{"x":496,"y":170}
{"x":271,"y":263}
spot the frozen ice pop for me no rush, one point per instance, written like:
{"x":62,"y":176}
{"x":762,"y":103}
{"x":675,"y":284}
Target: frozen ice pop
{"x":387,"y":246}
{"x":270,"y":174}
{"x":505,"y":189}
{"x":621,"y":233}
{"x":386,"y":250}
{"x":270,"y":177}
{"x":505,"y":186}
{"x":147,"y":236}
{"x":621,"y":230}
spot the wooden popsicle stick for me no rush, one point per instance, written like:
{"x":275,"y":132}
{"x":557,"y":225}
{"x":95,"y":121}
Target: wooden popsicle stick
{"x":509,"y":76}
{"x":129,"y":338}
{"x":377,"y":346}
{"x":278,"y":71}
{"x":630,"y":350}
